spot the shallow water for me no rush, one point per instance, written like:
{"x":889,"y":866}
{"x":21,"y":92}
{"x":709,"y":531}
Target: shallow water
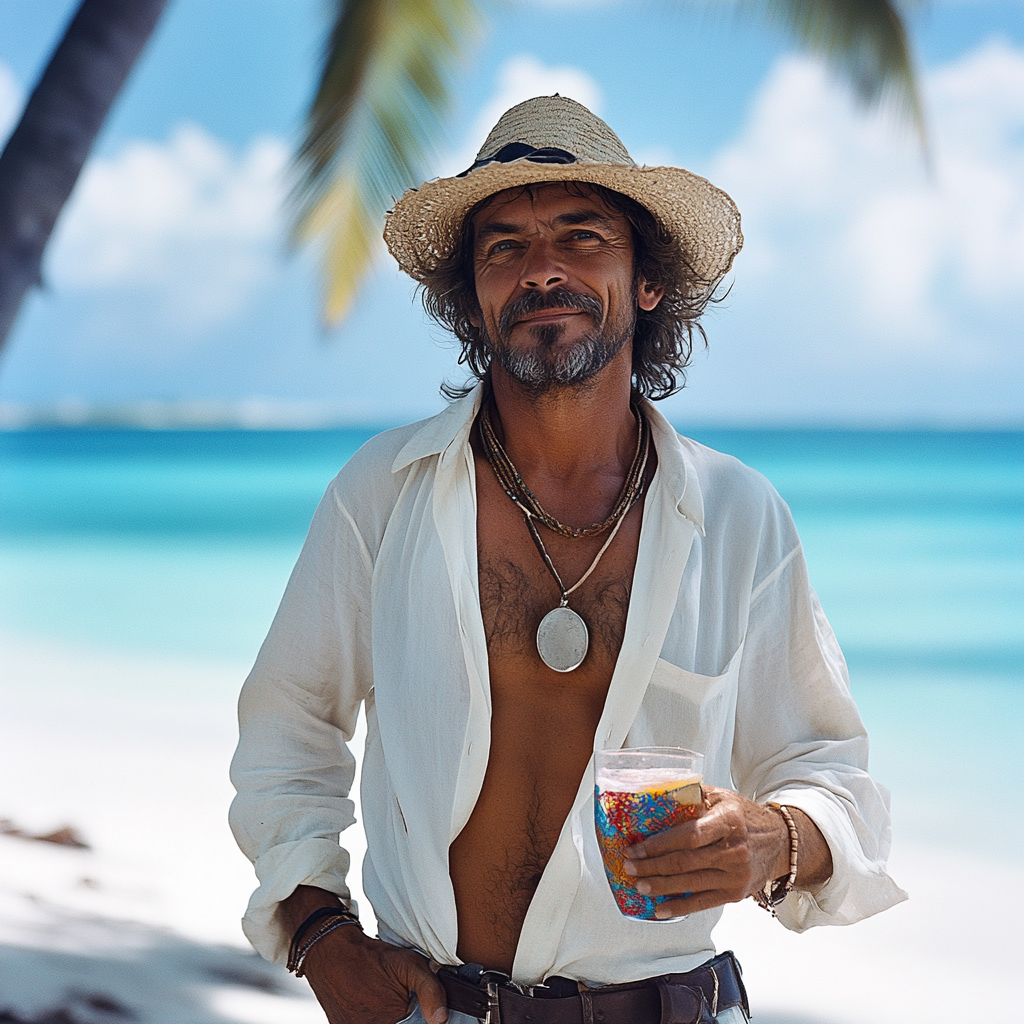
{"x":179,"y":543}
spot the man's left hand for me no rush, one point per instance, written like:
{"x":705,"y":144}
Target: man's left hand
{"x":725,"y":855}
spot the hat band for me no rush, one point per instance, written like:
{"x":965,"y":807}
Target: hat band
{"x":519,"y":150}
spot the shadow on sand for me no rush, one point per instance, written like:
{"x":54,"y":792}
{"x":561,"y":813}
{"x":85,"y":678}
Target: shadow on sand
{"x":150,"y":976}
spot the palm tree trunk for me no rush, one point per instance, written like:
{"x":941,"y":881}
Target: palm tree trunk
{"x":43,"y":157}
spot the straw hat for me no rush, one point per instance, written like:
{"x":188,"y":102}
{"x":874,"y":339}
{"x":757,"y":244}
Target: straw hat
{"x":554,"y":138}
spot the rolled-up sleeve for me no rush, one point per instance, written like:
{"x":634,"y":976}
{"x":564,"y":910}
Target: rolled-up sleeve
{"x":800,"y":741}
{"x":298,"y":710}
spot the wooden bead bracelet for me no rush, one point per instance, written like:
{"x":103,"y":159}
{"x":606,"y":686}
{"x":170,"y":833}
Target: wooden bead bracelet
{"x":776,"y":890}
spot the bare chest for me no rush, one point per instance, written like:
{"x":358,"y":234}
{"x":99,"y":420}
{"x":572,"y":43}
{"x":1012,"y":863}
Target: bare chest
{"x":517,"y":589}
{"x":542,"y":722}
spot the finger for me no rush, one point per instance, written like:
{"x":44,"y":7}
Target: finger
{"x":417,"y":977}
{"x":432,"y":999}
{"x":691,"y":835}
{"x":693,"y":904}
{"x":693,"y":883}
{"x":677,"y":862}
{"x":679,"y":837}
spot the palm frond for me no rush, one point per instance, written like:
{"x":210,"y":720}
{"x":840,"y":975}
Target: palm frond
{"x":865,"y":41}
{"x":378,"y":108}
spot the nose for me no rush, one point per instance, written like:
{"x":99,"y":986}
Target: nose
{"x":541,"y":270}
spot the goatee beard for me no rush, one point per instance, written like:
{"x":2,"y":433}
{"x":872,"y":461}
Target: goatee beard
{"x":540,"y":368}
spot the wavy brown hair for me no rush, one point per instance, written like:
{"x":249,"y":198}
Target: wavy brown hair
{"x":663,"y":338}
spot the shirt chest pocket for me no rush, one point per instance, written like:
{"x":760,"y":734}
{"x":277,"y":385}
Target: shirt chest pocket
{"x":686,"y":709}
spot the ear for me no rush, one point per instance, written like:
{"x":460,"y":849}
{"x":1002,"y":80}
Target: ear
{"x":648,"y":295}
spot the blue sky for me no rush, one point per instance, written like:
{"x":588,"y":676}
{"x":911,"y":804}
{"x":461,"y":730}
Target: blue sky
{"x":868,"y":291}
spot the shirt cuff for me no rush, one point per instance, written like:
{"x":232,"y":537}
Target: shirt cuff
{"x":859,"y":886}
{"x":319,"y":862}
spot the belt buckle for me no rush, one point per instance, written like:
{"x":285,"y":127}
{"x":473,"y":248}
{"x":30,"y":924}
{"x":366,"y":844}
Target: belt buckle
{"x":493,"y":1005}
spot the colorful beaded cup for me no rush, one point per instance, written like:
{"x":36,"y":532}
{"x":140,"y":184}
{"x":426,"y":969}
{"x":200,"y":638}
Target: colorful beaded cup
{"x":640,"y":791}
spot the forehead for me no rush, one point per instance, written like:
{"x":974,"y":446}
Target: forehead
{"x":550,"y":200}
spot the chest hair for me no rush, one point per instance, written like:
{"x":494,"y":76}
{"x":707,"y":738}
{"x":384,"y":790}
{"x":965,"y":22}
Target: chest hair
{"x":514,"y":600}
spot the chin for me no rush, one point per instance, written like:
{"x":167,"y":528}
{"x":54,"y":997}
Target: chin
{"x":557,"y":338}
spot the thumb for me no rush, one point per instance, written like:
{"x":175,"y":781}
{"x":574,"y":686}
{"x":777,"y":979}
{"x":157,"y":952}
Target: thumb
{"x":429,"y":991}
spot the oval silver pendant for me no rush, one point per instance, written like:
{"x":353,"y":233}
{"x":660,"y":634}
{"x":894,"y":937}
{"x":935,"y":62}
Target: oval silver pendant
{"x":562,"y":640}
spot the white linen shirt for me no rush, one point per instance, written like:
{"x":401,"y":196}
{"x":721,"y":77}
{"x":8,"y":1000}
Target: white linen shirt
{"x":726,"y":651}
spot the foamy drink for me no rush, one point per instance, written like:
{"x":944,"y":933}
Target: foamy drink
{"x":639,"y":792}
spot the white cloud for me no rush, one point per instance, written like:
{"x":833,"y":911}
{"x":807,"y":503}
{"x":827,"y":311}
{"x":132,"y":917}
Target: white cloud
{"x":839,"y":210}
{"x":12,"y":99}
{"x":184,"y":229}
{"x":521,"y":78}
{"x":174,"y":238}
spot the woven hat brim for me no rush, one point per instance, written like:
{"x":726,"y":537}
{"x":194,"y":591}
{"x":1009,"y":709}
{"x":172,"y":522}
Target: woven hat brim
{"x":426,"y":224}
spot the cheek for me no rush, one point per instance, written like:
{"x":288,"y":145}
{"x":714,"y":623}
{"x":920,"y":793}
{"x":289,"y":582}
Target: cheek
{"x":492,"y":289}
{"x":622,"y":302}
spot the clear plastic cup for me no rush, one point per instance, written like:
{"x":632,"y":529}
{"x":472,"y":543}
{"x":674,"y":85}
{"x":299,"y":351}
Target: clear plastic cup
{"x":640,"y":791}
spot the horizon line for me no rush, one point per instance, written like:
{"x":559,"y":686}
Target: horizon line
{"x":258,"y":414}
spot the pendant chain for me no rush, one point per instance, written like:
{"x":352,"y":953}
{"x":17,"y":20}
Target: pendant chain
{"x":521,"y":495}
{"x":535,"y":533}
{"x":515,"y":487}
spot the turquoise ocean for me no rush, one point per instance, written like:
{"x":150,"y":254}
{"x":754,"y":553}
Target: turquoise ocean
{"x":177,"y":544}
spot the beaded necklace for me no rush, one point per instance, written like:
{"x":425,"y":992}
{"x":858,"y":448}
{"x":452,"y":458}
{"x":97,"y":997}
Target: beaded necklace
{"x":562,"y":636}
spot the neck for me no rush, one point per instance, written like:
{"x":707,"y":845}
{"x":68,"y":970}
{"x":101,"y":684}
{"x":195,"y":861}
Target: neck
{"x":568,"y":432}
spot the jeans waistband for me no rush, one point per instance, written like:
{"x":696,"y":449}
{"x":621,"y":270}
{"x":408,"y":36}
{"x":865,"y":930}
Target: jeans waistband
{"x":695,"y":997}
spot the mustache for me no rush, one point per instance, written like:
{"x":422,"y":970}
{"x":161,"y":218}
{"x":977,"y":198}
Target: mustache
{"x":557,"y":298}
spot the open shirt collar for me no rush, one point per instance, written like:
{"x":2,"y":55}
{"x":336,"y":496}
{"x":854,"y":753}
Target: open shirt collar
{"x":452,"y":426}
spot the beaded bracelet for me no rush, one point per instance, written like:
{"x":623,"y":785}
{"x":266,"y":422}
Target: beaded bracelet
{"x":317,"y":915}
{"x":329,"y":919}
{"x":775,"y":891}
{"x":297,"y":966}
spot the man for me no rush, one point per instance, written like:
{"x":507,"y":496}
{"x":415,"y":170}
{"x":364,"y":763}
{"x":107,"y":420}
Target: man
{"x":543,"y":570}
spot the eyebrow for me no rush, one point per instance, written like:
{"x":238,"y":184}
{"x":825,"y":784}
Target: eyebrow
{"x":498,"y":227}
{"x":583,"y":217}
{"x":572,"y":219}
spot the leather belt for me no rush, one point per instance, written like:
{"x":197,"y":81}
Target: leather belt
{"x":695,"y":997}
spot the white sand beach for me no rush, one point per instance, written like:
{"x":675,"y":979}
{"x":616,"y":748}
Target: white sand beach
{"x":133,"y":753}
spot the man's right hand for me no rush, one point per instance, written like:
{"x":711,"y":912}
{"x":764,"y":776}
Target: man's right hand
{"x":359,"y":980}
